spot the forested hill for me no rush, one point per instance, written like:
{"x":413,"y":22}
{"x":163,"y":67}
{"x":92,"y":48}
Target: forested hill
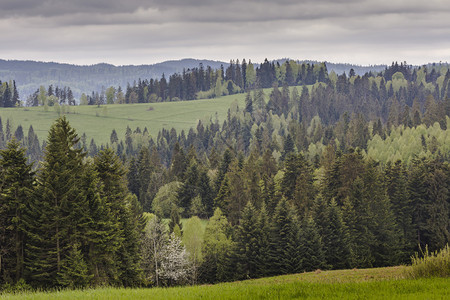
{"x":29,"y":75}
{"x":340,"y":68}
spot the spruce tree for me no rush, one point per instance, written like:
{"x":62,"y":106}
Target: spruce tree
{"x":58,"y":209}
{"x":16,"y":188}
{"x":283,"y":241}
{"x":397,"y":191}
{"x":310,"y":248}
{"x":335,"y":239}
{"x":263,"y":223}
{"x":74,"y":271}
{"x":247,"y":243}
{"x":125,"y":209}
{"x":102,"y":232}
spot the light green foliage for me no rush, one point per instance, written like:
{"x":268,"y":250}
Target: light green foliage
{"x":435,"y":264}
{"x":217,"y":245}
{"x":405,"y":143}
{"x":250,"y":75}
{"x":193,"y":231}
{"x":165,"y":198}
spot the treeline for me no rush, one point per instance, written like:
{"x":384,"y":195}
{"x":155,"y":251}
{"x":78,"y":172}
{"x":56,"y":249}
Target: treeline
{"x":9,"y":97}
{"x":51,"y":96}
{"x":400,"y":81}
{"x":201,"y":82}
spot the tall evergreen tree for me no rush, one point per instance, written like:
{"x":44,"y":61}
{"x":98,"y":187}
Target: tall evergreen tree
{"x":310,"y":248}
{"x":56,"y":208}
{"x":127,"y":212}
{"x":247,"y":243}
{"x":283,"y":250}
{"x":16,"y":187}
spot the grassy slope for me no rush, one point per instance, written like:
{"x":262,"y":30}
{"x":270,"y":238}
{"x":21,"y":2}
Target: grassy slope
{"x":98,"y":123}
{"x":382,"y":283}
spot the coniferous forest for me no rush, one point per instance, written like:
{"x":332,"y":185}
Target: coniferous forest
{"x":324,"y":171}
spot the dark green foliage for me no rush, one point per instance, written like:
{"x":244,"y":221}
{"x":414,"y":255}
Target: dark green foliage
{"x":397,"y":191}
{"x":297,"y":183}
{"x":248,"y":237}
{"x":133,"y":177}
{"x":248,"y":103}
{"x":144,"y":167}
{"x":57,"y":206}
{"x":284,"y":245}
{"x":189,"y":189}
{"x":16,"y":186}
{"x":310,"y":248}
{"x":335,"y":238}
{"x":428,"y":187}
{"x":127,"y":212}
{"x":74,"y":270}
{"x":288,"y":147}
{"x":179,"y":165}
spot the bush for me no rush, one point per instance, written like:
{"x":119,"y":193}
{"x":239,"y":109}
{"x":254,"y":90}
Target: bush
{"x":18,"y":287}
{"x":434,"y":264}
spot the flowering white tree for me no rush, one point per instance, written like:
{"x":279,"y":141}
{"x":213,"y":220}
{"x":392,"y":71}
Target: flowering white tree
{"x":175,"y":264}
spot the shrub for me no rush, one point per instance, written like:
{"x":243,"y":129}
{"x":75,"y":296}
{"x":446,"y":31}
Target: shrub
{"x":434,"y":264}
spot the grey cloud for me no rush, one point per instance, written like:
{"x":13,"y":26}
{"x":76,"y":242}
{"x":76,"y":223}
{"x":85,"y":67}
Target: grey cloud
{"x":138,"y":31}
{"x":211,"y":10}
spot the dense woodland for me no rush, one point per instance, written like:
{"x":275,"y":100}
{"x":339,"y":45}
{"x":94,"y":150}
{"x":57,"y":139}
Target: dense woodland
{"x":340,"y":172}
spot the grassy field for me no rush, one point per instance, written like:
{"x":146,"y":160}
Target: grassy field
{"x":98,"y":122}
{"x":382,"y":283}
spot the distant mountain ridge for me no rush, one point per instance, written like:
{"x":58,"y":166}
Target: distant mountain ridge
{"x":29,"y":75}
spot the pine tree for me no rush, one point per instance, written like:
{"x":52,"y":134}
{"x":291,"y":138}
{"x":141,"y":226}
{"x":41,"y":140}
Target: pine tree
{"x":133,"y":177}
{"x":144,"y":173}
{"x":178,"y":166}
{"x":310,"y":248}
{"x":283,"y":241}
{"x":397,"y":191}
{"x":74,"y":270}
{"x":189,"y":189}
{"x":55,"y":212}
{"x":247,"y":243}
{"x":263,"y":223}
{"x":16,"y":187}
{"x":127,"y":212}
{"x":334,"y":238}
{"x":103,"y":236}
{"x":248,"y":103}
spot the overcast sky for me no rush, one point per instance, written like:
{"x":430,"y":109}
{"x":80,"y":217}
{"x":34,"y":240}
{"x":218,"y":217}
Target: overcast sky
{"x":125,"y":32}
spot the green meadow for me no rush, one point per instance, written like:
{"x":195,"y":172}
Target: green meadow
{"x":98,"y":122}
{"x":380,"y":283}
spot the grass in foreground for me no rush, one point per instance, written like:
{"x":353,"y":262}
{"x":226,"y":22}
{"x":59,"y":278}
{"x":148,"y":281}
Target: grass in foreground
{"x":382,"y":283}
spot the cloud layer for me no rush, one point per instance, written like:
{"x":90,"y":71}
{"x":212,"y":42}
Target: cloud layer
{"x":142,"y":32}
